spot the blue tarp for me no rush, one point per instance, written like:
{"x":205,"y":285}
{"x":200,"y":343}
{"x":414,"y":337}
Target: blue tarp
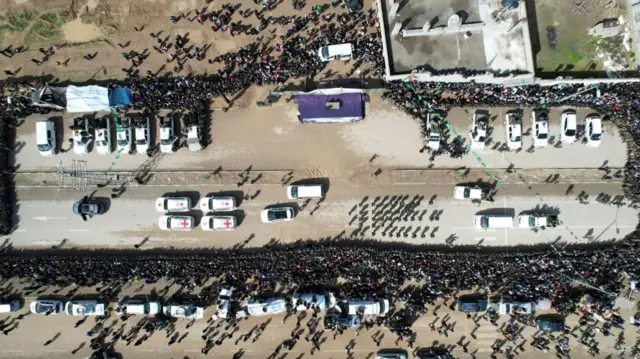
{"x":120,"y":97}
{"x":314,"y":109}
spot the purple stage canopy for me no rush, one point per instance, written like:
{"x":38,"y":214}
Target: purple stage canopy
{"x":343,"y":107}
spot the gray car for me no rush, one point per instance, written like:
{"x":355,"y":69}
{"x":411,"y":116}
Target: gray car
{"x":87,"y":207}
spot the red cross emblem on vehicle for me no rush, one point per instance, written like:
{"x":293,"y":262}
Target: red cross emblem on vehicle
{"x":181,"y":204}
{"x":226,"y":203}
{"x":184,"y":223}
{"x":159,"y":204}
{"x":227,"y":223}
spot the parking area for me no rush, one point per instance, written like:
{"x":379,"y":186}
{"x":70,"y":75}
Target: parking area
{"x":272,"y":138}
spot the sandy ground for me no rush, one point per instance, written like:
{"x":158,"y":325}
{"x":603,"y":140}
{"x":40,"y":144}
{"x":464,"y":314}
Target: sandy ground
{"x":106,"y":27}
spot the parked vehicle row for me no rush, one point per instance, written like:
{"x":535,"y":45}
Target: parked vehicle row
{"x":128,"y":131}
{"x":540,"y":129}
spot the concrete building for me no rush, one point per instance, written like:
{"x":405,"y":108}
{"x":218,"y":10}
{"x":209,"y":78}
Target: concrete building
{"x":456,"y":41}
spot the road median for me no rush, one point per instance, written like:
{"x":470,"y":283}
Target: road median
{"x":364,"y":177}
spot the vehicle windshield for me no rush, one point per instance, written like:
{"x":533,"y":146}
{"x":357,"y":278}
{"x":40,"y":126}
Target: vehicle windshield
{"x":570,"y":132}
{"x":325,"y":52}
{"x":481,"y":139}
{"x":44,"y":307}
{"x":141,"y":142}
{"x":123,"y":142}
{"x":484,"y":222}
{"x":467,"y":192}
{"x":516,"y":139}
{"x":102,"y":143}
{"x":532,"y":221}
{"x":294,"y":191}
{"x":595,"y":136}
{"x":79,"y":143}
{"x":273,"y":215}
{"x":192,"y":141}
{"x":166,"y":141}
{"x":44,"y":147}
{"x":542,"y":136}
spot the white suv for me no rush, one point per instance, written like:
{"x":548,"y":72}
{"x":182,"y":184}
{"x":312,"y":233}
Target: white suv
{"x":540,"y":127}
{"x":143,"y":140}
{"x":513,"y":124}
{"x":103,"y":136}
{"x":479,"y":129}
{"x":167,"y":135}
{"x":123,"y":136}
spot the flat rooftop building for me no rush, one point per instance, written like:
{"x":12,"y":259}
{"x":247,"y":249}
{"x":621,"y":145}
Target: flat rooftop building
{"x":456,"y":41}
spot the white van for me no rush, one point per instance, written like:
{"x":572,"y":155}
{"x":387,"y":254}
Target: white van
{"x":303,"y":192}
{"x":46,"y":138}
{"x":341,"y":52}
{"x":487,"y":221}
{"x":10,"y":306}
{"x":368,"y":307}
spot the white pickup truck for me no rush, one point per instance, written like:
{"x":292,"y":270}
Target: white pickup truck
{"x":537,"y":220}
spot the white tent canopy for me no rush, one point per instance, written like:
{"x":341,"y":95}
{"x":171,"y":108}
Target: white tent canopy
{"x":87,"y":99}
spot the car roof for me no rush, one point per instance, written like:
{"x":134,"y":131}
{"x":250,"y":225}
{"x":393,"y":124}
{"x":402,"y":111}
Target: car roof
{"x":219,"y":221}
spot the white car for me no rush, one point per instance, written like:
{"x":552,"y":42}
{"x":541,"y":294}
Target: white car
{"x":194,"y":139}
{"x":593,"y":130}
{"x":509,"y":308}
{"x":138,"y":306}
{"x":218,"y":223}
{"x":44,"y":306}
{"x":143,"y":140}
{"x":173,"y":204}
{"x":274,"y":215}
{"x":479,"y":129}
{"x":467,"y":192}
{"x":176,"y":223}
{"x":268,"y":306}
{"x":217,"y":204}
{"x":81,"y":136}
{"x":540,"y":127}
{"x":569,"y":126}
{"x":514,"y":131}
{"x":167,"y":135}
{"x":184,"y":311}
{"x":103,"y":137}
{"x":224,"y":302}
{"x":82,"y":308}
{"x":123,"y":136}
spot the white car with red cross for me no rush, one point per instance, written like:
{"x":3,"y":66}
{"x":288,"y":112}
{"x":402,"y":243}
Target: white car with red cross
{"x":173,"y":204}
{"x":218,"y":223}
{"x":176,"y":223}
{"x":217,"y":204}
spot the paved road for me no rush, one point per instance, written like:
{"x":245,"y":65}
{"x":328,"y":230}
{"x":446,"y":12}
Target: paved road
{"x":45,"y":216}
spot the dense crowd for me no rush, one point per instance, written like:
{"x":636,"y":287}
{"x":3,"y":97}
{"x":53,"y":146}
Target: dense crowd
{"x":370,"y":272}
{"x":367,"y":272}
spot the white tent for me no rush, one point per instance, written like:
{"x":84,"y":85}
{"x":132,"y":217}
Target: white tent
{"x":87,"y":99}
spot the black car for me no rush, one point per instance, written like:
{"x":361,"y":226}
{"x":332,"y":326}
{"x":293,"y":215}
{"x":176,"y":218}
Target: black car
{"x":88,"y":207}
{"x":472,"y":305}
{"x":353,"y":5}
{"x":433,"y":353}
